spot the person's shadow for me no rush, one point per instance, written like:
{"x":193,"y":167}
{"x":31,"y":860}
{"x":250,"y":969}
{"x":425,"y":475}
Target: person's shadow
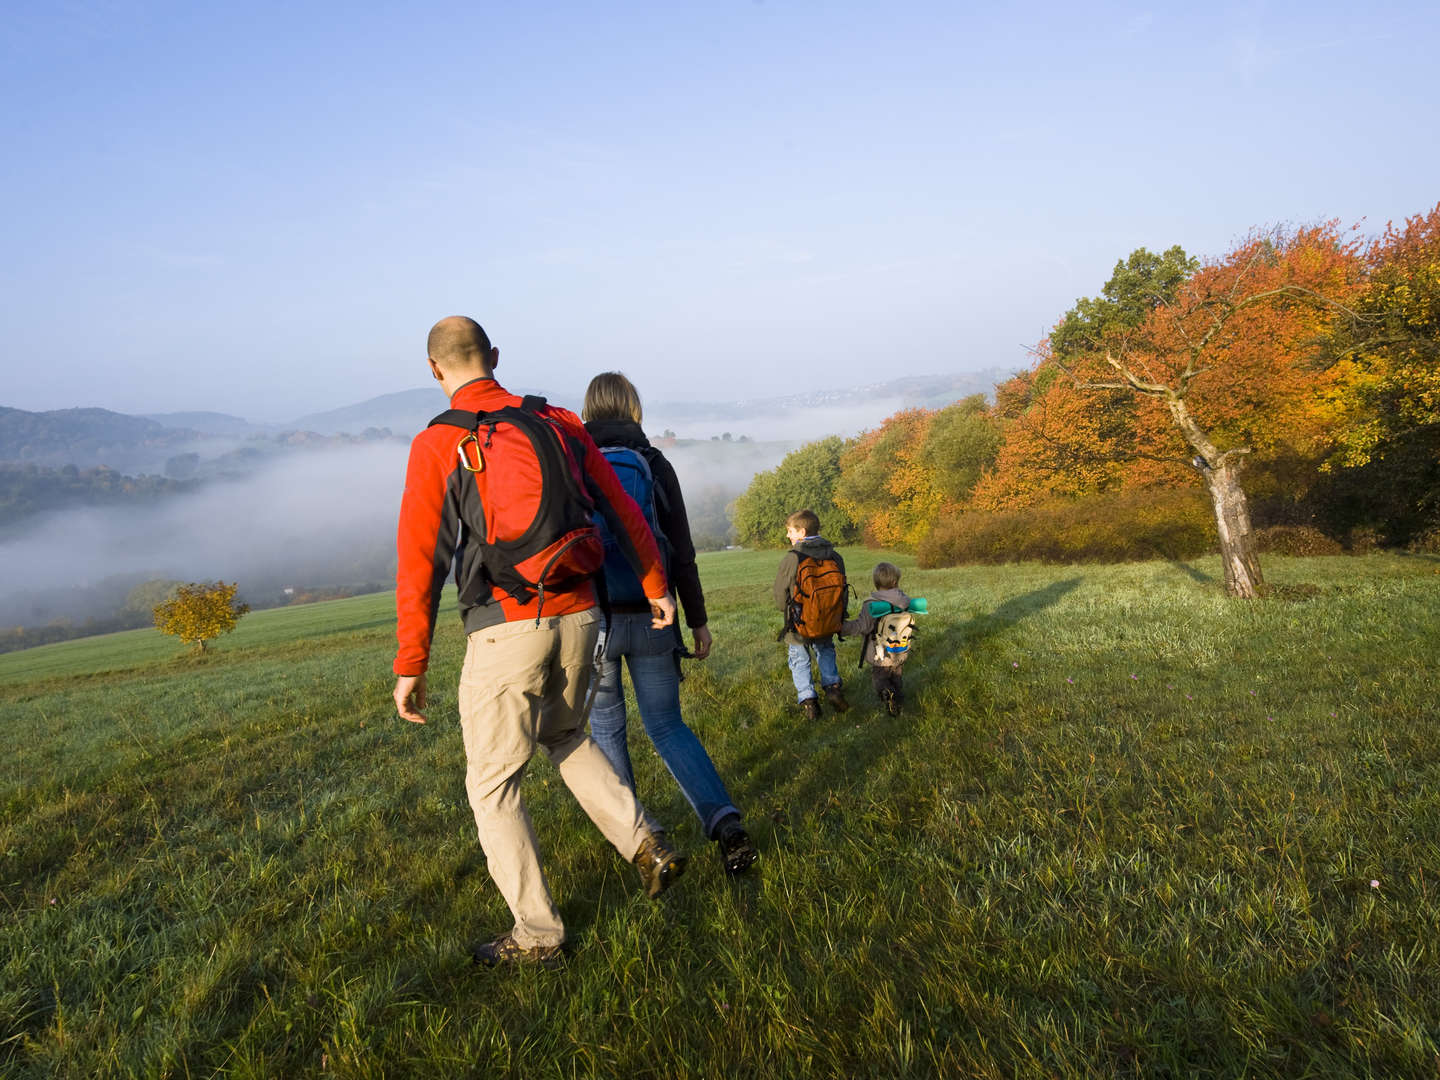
{"x":791,"y":772}
{"x":981,"y":628}
{"x":800,"y":783}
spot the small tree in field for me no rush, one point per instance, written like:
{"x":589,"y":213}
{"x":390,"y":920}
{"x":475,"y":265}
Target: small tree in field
{"x":1223,"y":360}
{"x":200,"y":612}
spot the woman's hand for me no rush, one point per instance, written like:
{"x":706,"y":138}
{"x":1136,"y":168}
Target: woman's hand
{"x":703,"y":641}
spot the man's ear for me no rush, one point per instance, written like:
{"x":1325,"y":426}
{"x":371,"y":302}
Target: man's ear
{"x":494,"y":357}
{"x":435,"y":369}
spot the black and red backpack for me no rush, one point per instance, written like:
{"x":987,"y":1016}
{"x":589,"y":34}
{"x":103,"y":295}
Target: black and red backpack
{"x":527,"y":514}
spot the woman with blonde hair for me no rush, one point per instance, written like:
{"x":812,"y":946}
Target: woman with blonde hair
{"x":612,"y":416}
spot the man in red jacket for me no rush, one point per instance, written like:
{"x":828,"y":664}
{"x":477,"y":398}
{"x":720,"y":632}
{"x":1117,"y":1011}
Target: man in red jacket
{"x":528,"y":660}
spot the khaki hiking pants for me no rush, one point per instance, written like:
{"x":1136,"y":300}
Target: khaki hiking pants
{"x":525,"y":686}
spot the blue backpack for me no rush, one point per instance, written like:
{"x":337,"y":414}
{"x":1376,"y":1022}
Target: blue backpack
{"x":633,"y":469}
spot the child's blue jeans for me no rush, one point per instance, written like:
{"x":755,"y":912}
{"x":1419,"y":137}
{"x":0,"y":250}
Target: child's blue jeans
{"x":800,"y":667}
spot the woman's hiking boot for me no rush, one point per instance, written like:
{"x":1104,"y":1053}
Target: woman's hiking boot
{"x":811,"y":708}
{"x":737,"y":850}
{"x":506,"y":950}
{"x":836,"y":696}
{"x":659,"y":866}
{"x":891,"y":700}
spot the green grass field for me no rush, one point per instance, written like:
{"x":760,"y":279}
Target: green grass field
{"x":1125,"y":827}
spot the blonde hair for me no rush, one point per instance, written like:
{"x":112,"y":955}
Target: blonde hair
{"x":886,"y":575}
{"x":611,"y":396}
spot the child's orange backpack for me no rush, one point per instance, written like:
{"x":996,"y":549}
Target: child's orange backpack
{"x":818,"y":599}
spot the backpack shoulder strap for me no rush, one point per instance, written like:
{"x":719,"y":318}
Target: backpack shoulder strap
{"x":462,"y":418}
{"x":532,"y":403}
{"x":662,"y":496}
{"x":639,"y":458}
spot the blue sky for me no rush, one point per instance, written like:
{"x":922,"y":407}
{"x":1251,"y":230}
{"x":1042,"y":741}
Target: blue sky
{"x":261,"y":209}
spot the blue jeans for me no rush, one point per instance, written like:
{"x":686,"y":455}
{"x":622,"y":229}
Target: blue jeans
{"x":650,"y":655}
{"x":800,"y":667}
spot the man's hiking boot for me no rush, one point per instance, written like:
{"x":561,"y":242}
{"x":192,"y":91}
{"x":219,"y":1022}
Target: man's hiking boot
{"x":892,"y":701}
{"x":737,"y":850}
{"x":659,"y":866}
{"x":836,"y":697}
{"x":505,"y":950}
{"x":811,"y":708}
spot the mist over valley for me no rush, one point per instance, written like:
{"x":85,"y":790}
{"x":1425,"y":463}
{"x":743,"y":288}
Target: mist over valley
{"x":94,"y":504}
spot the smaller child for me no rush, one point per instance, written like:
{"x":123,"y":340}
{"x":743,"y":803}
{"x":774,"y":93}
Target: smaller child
{"x":886,"y":626}
{"x":810,"y":589}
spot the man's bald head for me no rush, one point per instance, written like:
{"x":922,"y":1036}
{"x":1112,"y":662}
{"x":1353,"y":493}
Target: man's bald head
{"x":458,"y":344}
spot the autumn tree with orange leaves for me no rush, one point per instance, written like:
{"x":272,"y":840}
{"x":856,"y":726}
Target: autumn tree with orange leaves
{"x":920,"y":464}
{"x":1201,"y":371}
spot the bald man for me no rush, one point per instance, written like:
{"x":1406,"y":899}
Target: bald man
{"x":528,"y":661}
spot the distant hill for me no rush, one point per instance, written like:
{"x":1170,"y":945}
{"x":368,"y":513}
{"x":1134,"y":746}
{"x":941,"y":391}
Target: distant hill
{"x":91,"y":436}
{"x":133,"y":444}
{"x":403,"y":413}
{"x":209,"y":423}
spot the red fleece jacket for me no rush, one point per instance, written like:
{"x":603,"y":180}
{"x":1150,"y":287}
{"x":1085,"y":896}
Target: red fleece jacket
{"x":431,"y":534}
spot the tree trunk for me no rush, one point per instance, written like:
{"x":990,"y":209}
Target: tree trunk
{"x":1232,"y":512}
{"x":1237,"y":538}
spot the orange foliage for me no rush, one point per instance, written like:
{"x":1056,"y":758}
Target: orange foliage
{"x":1236,"y":347}
{"x":886,"y":484}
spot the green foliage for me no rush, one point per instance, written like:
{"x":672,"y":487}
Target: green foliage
{"x":199,"y":612}
{"x":1118,"y":527}
{"x":960,"y":444}
{"x":866,"y":485}
{"x":805,"y":478}
{"x":1136,"y":287}
{"x":144,"y":598}
{"x":1123,"y":828}
{"x":28,"y":489}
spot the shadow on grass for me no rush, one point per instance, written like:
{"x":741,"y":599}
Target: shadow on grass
{"x":1195,"y":575}
{"x":798,"y":781}
{"x":981,"y":628}
{"x":1422,"y":556}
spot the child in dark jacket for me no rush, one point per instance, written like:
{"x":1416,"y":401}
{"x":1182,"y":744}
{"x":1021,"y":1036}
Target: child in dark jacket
{"x":803,"y":530}
{"x":886,"y":665}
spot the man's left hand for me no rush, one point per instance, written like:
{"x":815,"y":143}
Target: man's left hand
{"x":410,"y":697}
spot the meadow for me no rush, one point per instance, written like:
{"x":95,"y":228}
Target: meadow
{"x":1125,"y":826}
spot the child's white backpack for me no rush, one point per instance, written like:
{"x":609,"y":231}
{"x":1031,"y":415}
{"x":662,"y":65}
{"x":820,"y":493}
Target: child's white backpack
{"x":890,"y":643}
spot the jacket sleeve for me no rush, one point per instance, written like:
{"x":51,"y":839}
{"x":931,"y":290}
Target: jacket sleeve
{"x":785,"y":579}
{"x":675,"y":524}
{"x":425,"y":550}
{"x":624,"y":517}
{"x":862,"y":624}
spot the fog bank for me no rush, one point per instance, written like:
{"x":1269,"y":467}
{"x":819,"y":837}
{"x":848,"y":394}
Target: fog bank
{"x":314,"y":518}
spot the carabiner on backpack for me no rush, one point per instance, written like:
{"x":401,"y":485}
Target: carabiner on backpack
{"x":473,"y":437}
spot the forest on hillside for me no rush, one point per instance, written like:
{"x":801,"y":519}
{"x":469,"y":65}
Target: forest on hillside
{"x":1285,"y":394}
